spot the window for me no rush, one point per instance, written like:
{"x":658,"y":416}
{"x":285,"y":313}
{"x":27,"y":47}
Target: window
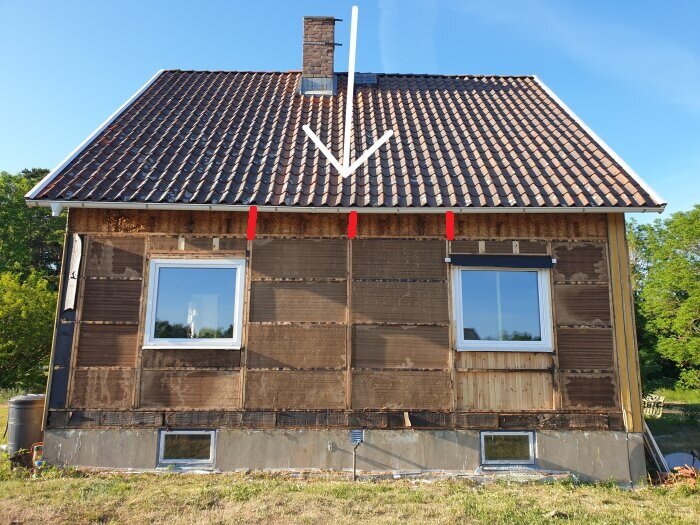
{"x":187,"y":447}
{"x":507,"y":448}
{"x":502,"y":309}
{"x":195,"y":303}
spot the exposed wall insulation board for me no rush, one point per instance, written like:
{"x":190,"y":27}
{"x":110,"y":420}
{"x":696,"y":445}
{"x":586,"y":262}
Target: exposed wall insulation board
{"x":98,"y":220}
{"x":401,"y":389}
{"x":527,"y":247}
{"x":464,"y":247}
{"x":585,"y":348}
{"x":107,"y":345}
{"x":285,"y":389}
{"x":186,"y":243}
{"x":111,"y":300}
{"x":530,"y":226}
{"x":504,"y":360}
{"x":102,"y":388}
{"x":582,"y":305}
{"x":580,"y":262}
{"x":190,"y":358}
{"x":503,"y":247}
{"x":298,"y":301}
{"x":302,"y":225}
{"x":400,"y":225}
{"x":296,"y":346}
{"x":504,"y":391}
{"x":115,"y":257}
{"x":399,"y":302}
{"x":172,"y":389}
{"x":587,"y":391}
{"x":299,"y":258}
{"x":401,"y":346}
{"x":398,"y":259}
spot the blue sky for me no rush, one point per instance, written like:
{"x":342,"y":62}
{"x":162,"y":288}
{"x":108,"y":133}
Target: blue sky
{"x":629,"y":69}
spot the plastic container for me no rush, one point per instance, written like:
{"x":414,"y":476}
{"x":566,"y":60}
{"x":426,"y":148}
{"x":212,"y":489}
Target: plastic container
{"x":24,"y":419}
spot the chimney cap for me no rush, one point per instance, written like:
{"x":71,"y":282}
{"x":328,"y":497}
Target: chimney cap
{"x":323,"y":18}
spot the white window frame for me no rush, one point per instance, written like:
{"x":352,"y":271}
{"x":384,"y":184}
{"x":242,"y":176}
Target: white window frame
{"x":531,"y":438}
{"x":184,"y":461}
{"x":212,"y":343}
{"x":545,"y":304}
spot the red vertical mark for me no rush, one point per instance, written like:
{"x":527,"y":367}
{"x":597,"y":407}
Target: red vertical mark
{"x":450,"y":225}
{"x":252,"y":220}
{"x":352,"y":225}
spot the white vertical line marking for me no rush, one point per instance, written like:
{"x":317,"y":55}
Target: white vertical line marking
{"x":350,"y":92}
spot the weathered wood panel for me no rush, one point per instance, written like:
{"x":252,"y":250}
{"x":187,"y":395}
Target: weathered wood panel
{"x":299,"y":258}
{"x":100,"y":220}
{"x":298,"y":301}
{"x":585,"y":348}
{"x":115,"y":257}
{"x":401,"y":389}
{"x":111,"y":300}
{"x":295,"y":389}
{"x":399,"y":302}
{"x":589,"y":391}
{"x":504,"y":360}
{"x":400,"y":225}
{"x":580,"y":262}
{"x":582,"y":305}
{"x":296,"y":346}
{"x":504,"y":390}
{"x":530,"y":226}
{"x":302,"y":224}
{"x":190,"y":358}
{"x":173,"y":389}
{"x":401,"y":346}
{"x":107,"y":345}
{"x":398,"y":259}
{"x":102,"y":388}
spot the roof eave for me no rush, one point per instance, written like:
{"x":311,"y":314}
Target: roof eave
{"x":57,"y":206}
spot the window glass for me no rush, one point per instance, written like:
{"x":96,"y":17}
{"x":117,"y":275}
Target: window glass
{"x":500,"y":305}
{"x":195,"y":447}
{"x":195,"y":303}
{"x":505,"y":447}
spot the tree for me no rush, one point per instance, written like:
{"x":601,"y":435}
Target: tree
{"x":27,"y":307}
{"x":30,"y":238}
{"x":666,"y":271}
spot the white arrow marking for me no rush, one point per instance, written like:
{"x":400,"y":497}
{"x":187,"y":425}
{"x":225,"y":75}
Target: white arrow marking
{"x":347,"y":169}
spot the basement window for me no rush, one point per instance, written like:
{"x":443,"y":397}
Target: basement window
{"x":507,"y":448}
{"x":187,"y":448}
{"x":502,"y":309}
{"x":195,"y":303}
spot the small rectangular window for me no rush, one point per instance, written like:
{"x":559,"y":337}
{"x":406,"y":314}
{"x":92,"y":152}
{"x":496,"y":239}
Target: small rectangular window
{"x":187,"y":447}
{"x":195,"y":303}
{"x":507,"y":448}
{"x":502,"y":309}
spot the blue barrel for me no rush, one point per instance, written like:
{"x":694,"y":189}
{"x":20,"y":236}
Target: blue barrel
{"x":24,"y":419}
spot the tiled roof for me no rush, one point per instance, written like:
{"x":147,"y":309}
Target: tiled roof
{"x":236,"y":138}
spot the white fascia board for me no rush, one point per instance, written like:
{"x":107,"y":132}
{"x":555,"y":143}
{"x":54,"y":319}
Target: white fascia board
{"x":83,"y":145}
{"x":660,"y":201}
{"x":311,"y":209}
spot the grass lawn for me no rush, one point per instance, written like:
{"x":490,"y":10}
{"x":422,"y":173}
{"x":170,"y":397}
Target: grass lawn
{"x":236,"y":498}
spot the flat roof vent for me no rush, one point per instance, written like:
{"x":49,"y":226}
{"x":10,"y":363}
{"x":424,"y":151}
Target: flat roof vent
{"x":366,"y":79}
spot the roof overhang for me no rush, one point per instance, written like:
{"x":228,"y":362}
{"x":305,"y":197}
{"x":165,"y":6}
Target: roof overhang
{"x":57,"y":206}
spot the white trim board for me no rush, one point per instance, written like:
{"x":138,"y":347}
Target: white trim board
{"x":84,"y":144}
{"x":639,"y":180}
{"x":58,"y":205}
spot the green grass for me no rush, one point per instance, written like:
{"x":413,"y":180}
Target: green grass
{"x":676,"y":395}
{"x":74,"y":497}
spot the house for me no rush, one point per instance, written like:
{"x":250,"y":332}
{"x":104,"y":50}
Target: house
{"x":229,"y":301}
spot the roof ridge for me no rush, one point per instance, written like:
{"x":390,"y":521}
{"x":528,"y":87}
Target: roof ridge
{"x":395,"y":74}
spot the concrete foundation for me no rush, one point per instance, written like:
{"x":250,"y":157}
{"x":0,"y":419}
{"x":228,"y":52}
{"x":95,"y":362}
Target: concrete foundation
{"x":590,"y":455}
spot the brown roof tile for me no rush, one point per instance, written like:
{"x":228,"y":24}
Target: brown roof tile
{"x":235,"y":138}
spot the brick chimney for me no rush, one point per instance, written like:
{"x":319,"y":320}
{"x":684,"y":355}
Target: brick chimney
{"x":317,"y":59}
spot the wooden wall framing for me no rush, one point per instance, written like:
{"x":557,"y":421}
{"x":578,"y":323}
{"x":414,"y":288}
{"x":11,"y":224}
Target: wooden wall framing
{"x":359,"y":326}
